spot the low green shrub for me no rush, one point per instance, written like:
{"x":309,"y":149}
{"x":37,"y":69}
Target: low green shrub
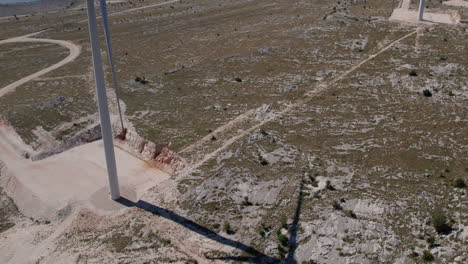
{"x":282,"y":238}
{"x":459,"y":183}
{"x":336,"y":205}
{"x":227,"y":227}
{"x":350,"y":213}
{"x":430,"y":241}
{"x":427,"y":256}
{"x":427,"y":93}
{"x":439,"y":221}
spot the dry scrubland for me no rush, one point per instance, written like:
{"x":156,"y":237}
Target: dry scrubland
{"x":350,"y":170}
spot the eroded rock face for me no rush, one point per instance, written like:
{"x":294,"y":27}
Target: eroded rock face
{"x":85,"y":136}
{"x":158,"y":154}
{"x":8,"y":209}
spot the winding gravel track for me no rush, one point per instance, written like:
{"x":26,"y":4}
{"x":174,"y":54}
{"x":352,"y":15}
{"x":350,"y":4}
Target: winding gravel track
{"x":73,"y":54}
{"x":74,"y":49}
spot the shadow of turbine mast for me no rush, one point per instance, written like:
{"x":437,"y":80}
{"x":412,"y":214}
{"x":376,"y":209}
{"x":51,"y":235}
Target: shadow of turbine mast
{"x":255,"y":255}
{"x":292,"y":241}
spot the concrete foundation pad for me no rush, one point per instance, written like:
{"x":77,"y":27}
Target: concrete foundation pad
{"x":49,"y":188}
{"x":411,"y":16}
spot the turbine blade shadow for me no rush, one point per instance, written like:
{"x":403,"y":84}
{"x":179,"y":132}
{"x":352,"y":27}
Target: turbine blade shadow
{"x":295,"y":226}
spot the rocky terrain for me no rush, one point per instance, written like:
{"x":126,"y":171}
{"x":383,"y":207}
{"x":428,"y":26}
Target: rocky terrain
{"x":295,"y":132}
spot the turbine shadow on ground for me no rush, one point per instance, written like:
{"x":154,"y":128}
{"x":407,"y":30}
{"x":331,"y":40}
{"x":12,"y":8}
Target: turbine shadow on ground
{"x":256,"y":256}
{"x":292,"y":241}
{"x":295,"y":226}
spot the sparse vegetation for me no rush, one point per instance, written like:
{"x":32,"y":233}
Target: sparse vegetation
{"x":430,"y":241}
{"x":427,"y":256}
{"x":262,"y":232}
{"x":227,"y":228}
{"x":283,"y":240}
{"x":264,"y":229}
{"x":439,"y":222}
{"x":348,"y":239}
{"x":119,"y":241}
{"x":262,"y":160}
{"x":427,"y":93}
{"x":459,"y":183}
{"x":413,"y":255}
{"x":283,"y":221}
{"x":368,"y":139}
{"x":329,"y":186}
{"x":313,"y":181}
{"x":336,"y":205}
{"x":281,"y":251}
{"x":350,"y":213}
{"x":141,"y":80}
{"x":166,"y":242}
{"x":263,"y":132}
{"x":246,"y":201}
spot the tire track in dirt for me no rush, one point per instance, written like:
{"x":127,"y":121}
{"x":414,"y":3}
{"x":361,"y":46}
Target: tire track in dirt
{"x":275,"y":115}
{"x":239,"y":119}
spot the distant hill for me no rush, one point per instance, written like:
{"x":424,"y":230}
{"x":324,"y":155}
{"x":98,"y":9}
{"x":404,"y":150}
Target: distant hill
{"x":36,"y":7}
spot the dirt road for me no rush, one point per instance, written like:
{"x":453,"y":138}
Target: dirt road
{"x":75,"y":51}
{"x":275,"y":115}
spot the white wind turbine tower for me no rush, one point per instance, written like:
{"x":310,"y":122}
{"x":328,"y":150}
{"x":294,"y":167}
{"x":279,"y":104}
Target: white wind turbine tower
{"x":106,"y":129}
{"x":110,"y":58}
{"x":422,"y":5}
